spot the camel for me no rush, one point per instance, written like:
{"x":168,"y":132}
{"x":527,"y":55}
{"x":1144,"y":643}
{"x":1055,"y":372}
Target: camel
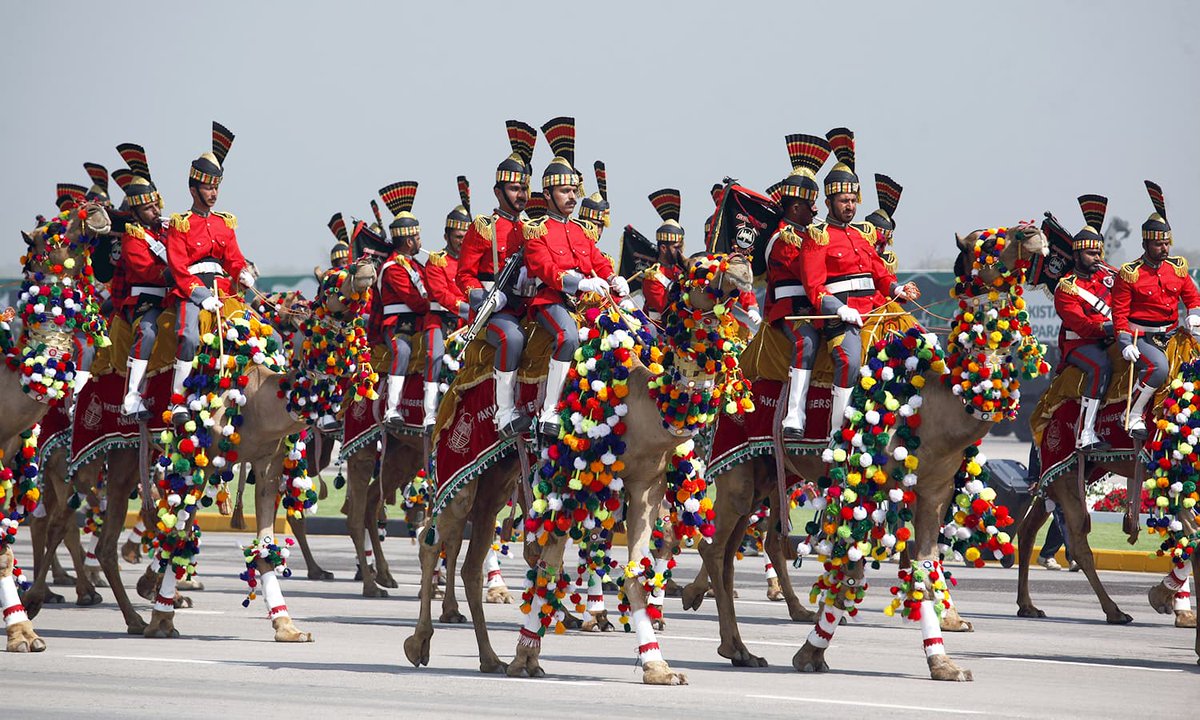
{"x":50,"y":261}
{"x":646,"y":462}
{"x":946,"y":432}
{"x":267,"y":423}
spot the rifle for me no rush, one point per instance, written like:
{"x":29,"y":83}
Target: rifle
{"x":485,"y":310}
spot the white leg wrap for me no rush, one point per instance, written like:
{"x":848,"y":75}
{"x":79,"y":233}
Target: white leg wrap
{"x":14,"y":611}
{"x":273,"y":596}
{"x":931,"y":630}
{"x":656,"y":597}
{"x":165,"y":601}
{"x":1176,"y":580}
{"x":491,"y":568}
{"x":595,"y":594}
{"x":770,"y":568}
{"x":648,"y":650}
{"x":139,"y":529}
{"x":1183,"y":597}
{"x":368,"y":548}
{"x":827,"y":622}
{"x":89,"y":558}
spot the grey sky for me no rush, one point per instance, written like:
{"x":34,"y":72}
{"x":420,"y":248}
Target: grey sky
{"x":986,"y":113}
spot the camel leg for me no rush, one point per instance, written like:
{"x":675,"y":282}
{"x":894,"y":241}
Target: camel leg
{"x":497,"y":589}
{"x":486,"y":505}
{"x":266,"y":497}
{"x":1026,"y":535}
{"x":642,"y":508}
{"x":777,"y":557}
{"x":811,"y":656}
{"x":38,"y":529}
{"x":1173,"y":594}
{"x":376,"y":512}
{"x":1185,"y":616}
{"x":58,"y":516}
{"x":131,"y":549}
{"x":529,"y":641}
{"x":21,"y":637}
{"x":700,"y":587}
{"x":358,"y":509}
{"x":122,"y":478}
{"x":598,"y":620}
{"x":300,"y":530}
{"x":452,"y":540}
{"x":416,"y":646}
{"x":1196,"y":573}
{"x":1077,"y":522}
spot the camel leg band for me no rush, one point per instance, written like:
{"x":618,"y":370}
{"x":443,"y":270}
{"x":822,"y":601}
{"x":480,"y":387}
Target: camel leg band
{"x":1183,"y":598}
{"x":648,"y":650}
{"x":14,"y":611}
{"x":165,"y":600}
{"x":595,"y":594}
{"x":273,"y":594}
{"x":770,"y":569}
{"x":827,"y":622}
{"x":1176,"y":580}
{"x":491,"y":566}
{"x":931,"y":630}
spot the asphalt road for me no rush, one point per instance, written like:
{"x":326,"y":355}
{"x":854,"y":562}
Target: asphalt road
{"x":1068,"y":665}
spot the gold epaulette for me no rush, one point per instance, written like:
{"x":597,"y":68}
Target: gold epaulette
{"x":535,"y":228}
{"x":1129,"y":271}
{"x":790,"y":236}
{"x":868,"y":230}
{"x":589,"y":229}
{"x":135,"y":230}
{"x":1066,"y":285}
{"x":890,"y":261}
{"x":817,"y":232}
{"x":438,"y":259}
{"x":181,"y":222}
{"x":230,"y":220}
{"x":1180,"y":265}
{"x":485,"y":225}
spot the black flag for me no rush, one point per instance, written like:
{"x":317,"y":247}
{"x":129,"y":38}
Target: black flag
{"x":1048,"y":269}
{"x":744,"y":222}
{"x":638,"y":252}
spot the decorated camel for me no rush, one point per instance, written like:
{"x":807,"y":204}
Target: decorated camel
{"x":866,"y":486}
{"x":620,"y":385}
{"x":59,"y":312}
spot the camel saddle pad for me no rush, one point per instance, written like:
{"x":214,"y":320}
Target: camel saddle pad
{"x":769,"y":353}
{"x":99,"y":425}
{"x":1056,"y":442}
{"x":120,"y":332}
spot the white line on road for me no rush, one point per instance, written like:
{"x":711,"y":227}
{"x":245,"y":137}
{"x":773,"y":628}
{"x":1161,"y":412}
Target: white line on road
{"x":193,"y":661}
{"x":858,"y":703}
{"x":1083,"y":664}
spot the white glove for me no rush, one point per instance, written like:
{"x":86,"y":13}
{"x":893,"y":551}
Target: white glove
{"x":593,"y":285}
{"x":246,"y":278}
{"x":849,"y":315}
{"x":1192,"y":322}
{"x":211,"y":303}
{"x":627,"y":305}
{"x":501,"y":300}
{"x":1131,"y":353}
{"x":620,"y":286}
{"x":754,"y":315}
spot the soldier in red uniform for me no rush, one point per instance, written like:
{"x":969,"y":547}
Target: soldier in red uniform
{"x":488,"y":244}
{"x":797,"y":196}
{"x":595,"y":208}
{"x":202,"y":254}
{"x":658,"y":278}
{"x":1083,"y":299}
{"x":883,"y":220}
{"x":339,"y":254}
{"x":842,"y":273}
{"x":448,"y":305}
{"x":403,"y":297}
{"x":1145,"y":306}
{"x":561,"y":254}
{"x":145,"y":275}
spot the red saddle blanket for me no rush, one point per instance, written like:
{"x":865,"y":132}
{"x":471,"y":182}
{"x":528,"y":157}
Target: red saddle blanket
{"x":1057,"y":448}
{"x":740,"y":437}
{"x":361,"y":426}
{"x":99,"y":425}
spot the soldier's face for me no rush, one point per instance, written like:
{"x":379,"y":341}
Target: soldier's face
{"x":454,"y":240}
{"x":563,"y":198}
{"x":670,"y":253}
{"x":205,"y":195}
{"x":1089,"y":259}
{"x":842,"y":207}
{"x":512,"y":196}
{"x":148,"y":214}
{"x":1157,"y":250}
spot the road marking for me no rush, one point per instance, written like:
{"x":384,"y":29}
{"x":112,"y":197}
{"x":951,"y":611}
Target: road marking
{"x":1083,"y":664}
{"x":193,"y":661}
{"x":859,"y":703}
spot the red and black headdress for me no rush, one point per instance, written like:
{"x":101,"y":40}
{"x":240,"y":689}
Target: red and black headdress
{"x":560,"y":133}
{"x":666,"y":203}
{"x":518,"y":166}
{"x":339,"y":254}
{"x":841,"y":179}
{"x":399,"y":197}
{"x":807,"y":154}
{"x":99,"y":175}
{"x":1156,"y":226}
{"x":208,"y":169}
{"x":884,"y":219}
{"x":595,"y":207}
{"x":1090,"y":237}
{"x":460,"y":217}
{"x":536,"y":207}
{"x":69,"y":195}
{"x":139,"y":187}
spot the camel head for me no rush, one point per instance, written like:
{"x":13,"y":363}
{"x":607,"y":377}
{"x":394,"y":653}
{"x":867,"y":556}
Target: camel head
{"x":362,"y":276}
{"x":349,"y":296}
{"x":713,"y":279}
{"x":285,"y":311}
{"x":63,"y":245}
{"x":1024,"y":242}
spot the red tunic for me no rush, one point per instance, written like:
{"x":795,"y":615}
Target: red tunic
{"x":1084,"y":304}
{"x":656,"y":284}
{"x":475,"y":258}
{"x":785,"y":282}
{"x":143,"y":261}
{"x":1150,"y":296}
{"x":555,"y":247}
{"x":193,"y":238}
{"x":842,"y":261}
{"x":445,"y":294}
{"x":402,"y":289}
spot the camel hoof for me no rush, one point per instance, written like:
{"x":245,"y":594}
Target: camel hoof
{"x":810,"y":659}
{"x":161,"y":626}
{"x":1030,"y":612}
{"x":136,"y":627}
{"x":942,"y":667}
{"x":499,"y":595}
{"x":598,"y":622}
{"x":672,"y":589}
{"x":1185,"y":619}
{"x":386,"y":580}
{"x":1119,"y":619}
{"x":96,"y":578}
{"x":453,"y":617}
{"x":193,"y":584}
{"x":319,"y":574}
{"x":526,"y":662}
{"x":658,"y":672}
{"x":63,"y":580}
{"x":416,"y":647}
{"x":799,"y":613}
{"x":694,"y":594}
{"x":147,"y":585}
{"x":182,"y":601}
{"x":659,"y":624}
{"x":286,"y":632}
{"x":131,"y":553}
{"x":493,"y":666}
{"x":88,"y":599}
{"x":22,"y":638}
{"x":741,"y":657}
{"x":374,"y":591}
{"x":1162,"y":599}
{"x":570,"y":622}
{"x":774,"y":590}
{"x":953,"y":622}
